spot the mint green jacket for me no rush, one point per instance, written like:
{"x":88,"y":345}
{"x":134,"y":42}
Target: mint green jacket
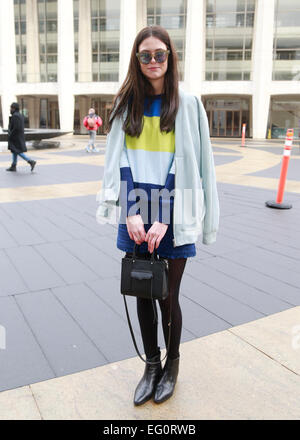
{"x":196,"y":203}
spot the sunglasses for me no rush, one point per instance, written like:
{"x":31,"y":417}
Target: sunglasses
{"x":160,"y":56}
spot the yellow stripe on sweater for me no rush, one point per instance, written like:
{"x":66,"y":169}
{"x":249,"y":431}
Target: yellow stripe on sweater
{"x":151,"y":138}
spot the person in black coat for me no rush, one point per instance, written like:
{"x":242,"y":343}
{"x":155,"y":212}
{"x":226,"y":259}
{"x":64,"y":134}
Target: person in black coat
{"x":16,"y":138}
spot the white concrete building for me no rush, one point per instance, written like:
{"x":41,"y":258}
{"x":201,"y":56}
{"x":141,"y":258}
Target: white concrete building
{"x":242,"y":57}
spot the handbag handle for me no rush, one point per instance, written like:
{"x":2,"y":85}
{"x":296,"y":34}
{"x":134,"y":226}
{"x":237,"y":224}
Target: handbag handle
{"x":135,"y":249}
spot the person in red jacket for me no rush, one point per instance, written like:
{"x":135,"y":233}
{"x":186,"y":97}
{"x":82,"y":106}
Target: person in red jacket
{"x":92,"y":122}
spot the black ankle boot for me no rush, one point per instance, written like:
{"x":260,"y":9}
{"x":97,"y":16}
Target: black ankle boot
{"x":32,"y":164}
{"x":166,"y":385}
{"x":12,"y":168}
{"x":146,"y":387}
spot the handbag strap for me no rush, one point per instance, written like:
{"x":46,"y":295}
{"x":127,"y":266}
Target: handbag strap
{"x":129,"y":321}
{"x":134,"y":340}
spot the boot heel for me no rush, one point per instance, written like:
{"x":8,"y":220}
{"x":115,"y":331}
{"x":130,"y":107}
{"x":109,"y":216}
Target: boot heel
{"x":146,"y":387}
{"x":166,"y":385}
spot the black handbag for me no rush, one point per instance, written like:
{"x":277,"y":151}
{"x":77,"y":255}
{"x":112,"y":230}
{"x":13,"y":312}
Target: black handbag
{"x":145,"y":278}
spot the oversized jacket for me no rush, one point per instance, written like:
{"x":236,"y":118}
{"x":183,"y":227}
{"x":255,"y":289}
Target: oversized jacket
{"x":196,"y":204}
{"x":16,"y":138}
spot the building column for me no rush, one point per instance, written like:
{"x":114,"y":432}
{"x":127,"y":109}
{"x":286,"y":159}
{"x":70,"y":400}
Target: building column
{"x":32,"y":42}
{"x":128,"y":27}
{"x":141,"y":15}
{"x":33,"y":111}
{"x":262,"y":66}
{"x":8,"y":67}
{"x":84,"y":106}
{"x":65,"y":64}
{"x":84,"y":42}
{"x":195,"y":47}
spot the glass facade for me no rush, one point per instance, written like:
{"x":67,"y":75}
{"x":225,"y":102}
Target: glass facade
{"x":286,"y":49}
{"x":170,"y":14}
{"x":76,"y":28}
{"x":1,"y":117}
{"x":20,"y":35}
{"x":284,"y":114}
{"x":47,"y":15}
{"x":105,"y":23}
{"x":229,"y":36}
{"x":226,"y":115}
{"x":102,"y":105}
{"x":39,"y":111}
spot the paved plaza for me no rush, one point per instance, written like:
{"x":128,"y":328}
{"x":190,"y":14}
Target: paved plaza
{"x":68,"y":351}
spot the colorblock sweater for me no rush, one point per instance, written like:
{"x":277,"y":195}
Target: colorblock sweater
{"x":147,"y":166}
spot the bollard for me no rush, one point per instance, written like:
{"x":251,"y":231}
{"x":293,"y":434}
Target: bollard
{"x":284,"y":167}
{"x":243,"y":135}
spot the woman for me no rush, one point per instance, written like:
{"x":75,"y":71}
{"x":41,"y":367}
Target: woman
{"x":158,"y":142}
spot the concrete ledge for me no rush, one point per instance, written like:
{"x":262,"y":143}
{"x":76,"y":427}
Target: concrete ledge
{"x":234,"y":374}
{"x":18,"y":404}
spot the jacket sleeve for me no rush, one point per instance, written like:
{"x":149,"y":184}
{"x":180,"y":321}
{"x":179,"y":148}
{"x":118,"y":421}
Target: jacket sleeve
{"x":208,"y":176}
{"x":99,"y":121}
{"x":15,"y":125}
{"x":108,"y":195}
{"x":85,"y":123}
{"x":127,"y":192}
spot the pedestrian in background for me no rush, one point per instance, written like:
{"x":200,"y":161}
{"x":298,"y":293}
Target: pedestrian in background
{"x":159,"y":139}
{"x":92,"y":122}
{"x":16,"y":138}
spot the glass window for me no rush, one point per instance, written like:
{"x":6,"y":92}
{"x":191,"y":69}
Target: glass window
{"x":288,"y":43}
{"x":229,"y":5}
{"x":286,"y":63}
{"x":289,"y":18}
{"x":284,"y":114}
{"x":20,"y":39}
{"x":76,"y":30}
{"x":47,"y":12}
{"x":283,"y":5}
{"x":229,"y":36}
{"x":171,"y":14}
{"x":105,"y":23}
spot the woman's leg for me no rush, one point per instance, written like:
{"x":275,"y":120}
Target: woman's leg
{"x":166,"y":385}
{"x":147,"y":314}
{"x":176,"y":269}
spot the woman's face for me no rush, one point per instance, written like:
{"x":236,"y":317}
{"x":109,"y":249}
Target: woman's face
{"x":153,"y":70}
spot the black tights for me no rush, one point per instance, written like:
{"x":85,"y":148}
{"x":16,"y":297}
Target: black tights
{"x":148,"y":323}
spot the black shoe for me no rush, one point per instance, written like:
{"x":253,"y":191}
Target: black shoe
{"x":32,"y":164}
{"x":166,"y":385}
{"x":12,"y":168}
{"x":146,"y":387}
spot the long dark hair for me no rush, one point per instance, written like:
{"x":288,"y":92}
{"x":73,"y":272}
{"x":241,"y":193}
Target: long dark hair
{"x":136,"y":87}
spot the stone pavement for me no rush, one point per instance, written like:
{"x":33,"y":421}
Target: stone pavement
{"x":66,"y":350}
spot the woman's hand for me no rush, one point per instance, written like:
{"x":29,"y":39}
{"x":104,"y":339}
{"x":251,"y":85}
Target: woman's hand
{"x":155,"y":235}
{"x":135,"y":228}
